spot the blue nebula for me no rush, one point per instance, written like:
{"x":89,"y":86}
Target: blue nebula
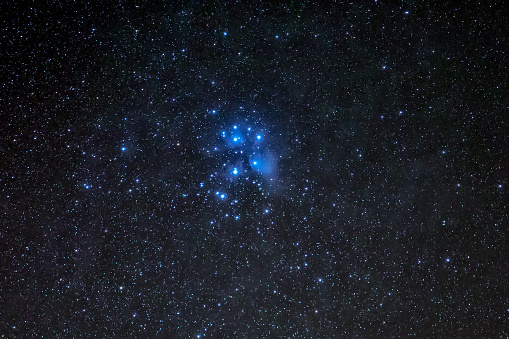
{"x":264,"y":163}
{"x":245,"y":151}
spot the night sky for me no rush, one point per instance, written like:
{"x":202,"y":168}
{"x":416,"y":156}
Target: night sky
{"x":254,"y":170}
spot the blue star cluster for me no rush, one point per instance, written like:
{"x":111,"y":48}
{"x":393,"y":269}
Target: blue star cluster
{"x":246,"y":151}
{"x":254,"y":169}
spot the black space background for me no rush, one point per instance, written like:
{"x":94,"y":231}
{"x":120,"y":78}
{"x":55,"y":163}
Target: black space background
{"x":387,"y":209}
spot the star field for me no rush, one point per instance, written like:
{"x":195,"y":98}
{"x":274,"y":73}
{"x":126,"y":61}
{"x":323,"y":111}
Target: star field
{"x":254,"y":170}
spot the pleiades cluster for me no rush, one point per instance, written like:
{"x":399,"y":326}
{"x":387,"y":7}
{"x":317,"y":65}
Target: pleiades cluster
{"x":254,"y":169}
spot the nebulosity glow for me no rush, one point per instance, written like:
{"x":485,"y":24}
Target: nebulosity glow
{"x":255,"y":170}
{"x":245,"y":155}
{"x":264,"y":163}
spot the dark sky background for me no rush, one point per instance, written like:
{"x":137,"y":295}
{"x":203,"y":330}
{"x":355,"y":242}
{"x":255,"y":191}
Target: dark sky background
{"x":254,"y":170}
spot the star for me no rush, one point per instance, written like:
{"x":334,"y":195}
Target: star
{"x":254,"y":170}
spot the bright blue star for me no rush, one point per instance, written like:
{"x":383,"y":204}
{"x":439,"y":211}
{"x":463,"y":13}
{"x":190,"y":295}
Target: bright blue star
{"x":235,"y":171}
{"x":258,"y":137}
{"x":123,"y":149}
